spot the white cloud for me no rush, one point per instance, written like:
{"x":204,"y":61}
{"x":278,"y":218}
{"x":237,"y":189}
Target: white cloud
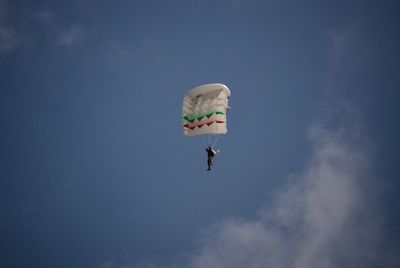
{"x":322,"y":218}
{"x":3,"y":10}
{"x":46,"y":17}
{"x":66,"y":36}
{"x":45,"y":21}
{"x":8,"y":36}
{"x":341,"y":42}
{"x":72,"y":36}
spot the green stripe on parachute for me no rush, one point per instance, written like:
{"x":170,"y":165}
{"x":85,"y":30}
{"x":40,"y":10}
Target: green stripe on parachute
{"x":192,"y":118}
{"x":189,"y":119}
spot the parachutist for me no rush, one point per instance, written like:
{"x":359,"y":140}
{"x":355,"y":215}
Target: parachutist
{"x":210,"y":155}
{"x":204,"y":112}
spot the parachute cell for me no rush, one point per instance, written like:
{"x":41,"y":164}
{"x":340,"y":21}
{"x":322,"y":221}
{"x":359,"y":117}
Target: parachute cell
{"x":204,"y":110}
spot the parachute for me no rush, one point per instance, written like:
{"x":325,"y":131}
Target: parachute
{"x":204,"y":110}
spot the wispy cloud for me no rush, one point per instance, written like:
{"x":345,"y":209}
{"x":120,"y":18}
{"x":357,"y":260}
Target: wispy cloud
{"x":71,"y":36}
{"x":67,"y":36}
{"x":322,"y":217}
{"x":50,"y":28}
{"x":8,"y":38}
{"x":46,"y":17}
{"x":8,"y":35}
{"x":341,"y":42}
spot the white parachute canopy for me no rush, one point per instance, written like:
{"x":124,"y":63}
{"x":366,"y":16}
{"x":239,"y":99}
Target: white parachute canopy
{"x":204,"y":110}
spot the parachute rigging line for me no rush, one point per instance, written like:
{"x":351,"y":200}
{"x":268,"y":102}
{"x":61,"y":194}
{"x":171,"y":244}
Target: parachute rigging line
{"x":215,"y":141}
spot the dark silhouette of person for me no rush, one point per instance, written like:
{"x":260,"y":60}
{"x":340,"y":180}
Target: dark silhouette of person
{"x":210,"y":155}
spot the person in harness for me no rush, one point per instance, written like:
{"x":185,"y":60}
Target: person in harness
{"x":210,"y":155}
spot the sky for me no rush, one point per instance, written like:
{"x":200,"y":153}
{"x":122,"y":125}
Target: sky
{"x":95,"y":170}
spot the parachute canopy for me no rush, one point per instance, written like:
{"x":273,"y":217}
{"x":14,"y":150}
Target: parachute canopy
{"x":204,"y":110}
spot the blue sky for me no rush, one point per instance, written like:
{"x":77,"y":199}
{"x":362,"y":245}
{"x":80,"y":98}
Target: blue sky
{"x":95,"y":170}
